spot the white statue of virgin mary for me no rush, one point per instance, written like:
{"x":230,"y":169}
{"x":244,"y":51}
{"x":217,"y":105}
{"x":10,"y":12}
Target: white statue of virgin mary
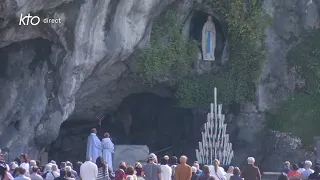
{"x":208,"y":40}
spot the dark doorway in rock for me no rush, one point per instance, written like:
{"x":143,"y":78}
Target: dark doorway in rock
{"x":155,"y":122}
{"x":148,"y":119}
{"x":199,"y":18}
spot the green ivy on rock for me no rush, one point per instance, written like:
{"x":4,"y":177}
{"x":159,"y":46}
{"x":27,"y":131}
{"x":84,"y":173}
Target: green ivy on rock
{"x":235,"y":82}
{"x":298,"y":115}
{"x":170,"y":55}
{"x":305,"y":57}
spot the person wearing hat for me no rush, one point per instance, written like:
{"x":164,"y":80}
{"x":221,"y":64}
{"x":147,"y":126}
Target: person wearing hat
{"x":151,"y":171}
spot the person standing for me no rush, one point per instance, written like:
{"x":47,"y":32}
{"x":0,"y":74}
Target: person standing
{"x":89,"y":170}
{"x":25,"y":163}
{"x":53,"y":173}
{"x":166,"y":170}
{"x":194,"y":173}
{"x":295,"y":174}
{"x":216,"y":171}
{"x":151,"y":170}
{"x":120,"y":172}
{"x":183,"y":170}
{"x":199,"y":171}
{"x":236,"y":174}
{"x":286,"y":167}
{"x":22,"y":175}
{"x":301,"y":167}
{"x":251,"y":172}
{"x":93,"y":145}
{"x":35,"y":175}
{"x":102,"y":169}
{"x":206,"y":174}
{"x":307,"y":166}
{"x":316,"y":174}
{"x":230,"y":172}
{"x":107,"y":149}
{"x":173,"y":165}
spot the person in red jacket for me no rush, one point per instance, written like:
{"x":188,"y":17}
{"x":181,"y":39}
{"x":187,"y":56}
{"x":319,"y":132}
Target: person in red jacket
{"x":294,"y":174}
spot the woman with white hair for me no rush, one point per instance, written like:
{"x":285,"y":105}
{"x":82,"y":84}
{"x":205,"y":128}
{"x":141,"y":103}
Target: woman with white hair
{"x":216,"y":171}
{"x":307,"y":166}
{"x":53,"y":173}
{"x":32,"y":163}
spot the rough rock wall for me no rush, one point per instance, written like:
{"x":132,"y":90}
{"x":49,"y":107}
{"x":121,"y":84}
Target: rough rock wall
{"x":84,"y":70}
{"x":289,"y":19}
{"x":94,"y":36}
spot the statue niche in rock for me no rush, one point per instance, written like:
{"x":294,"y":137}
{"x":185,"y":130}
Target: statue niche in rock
{"x":208,"y":40}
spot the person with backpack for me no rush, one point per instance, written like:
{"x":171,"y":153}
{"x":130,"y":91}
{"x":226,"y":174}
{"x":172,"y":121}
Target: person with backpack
{"x":53,"y":173}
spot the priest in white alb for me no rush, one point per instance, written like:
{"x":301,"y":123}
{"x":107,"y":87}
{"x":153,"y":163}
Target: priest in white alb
{"x":93,"y":145}
{"x":107,"y":149}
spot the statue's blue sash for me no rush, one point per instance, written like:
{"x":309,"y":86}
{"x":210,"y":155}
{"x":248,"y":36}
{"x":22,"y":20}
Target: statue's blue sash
{"x":208,"y":43}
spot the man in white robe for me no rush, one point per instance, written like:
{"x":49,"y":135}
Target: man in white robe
{"x":107,"y":149}
{"x":93,"y":145}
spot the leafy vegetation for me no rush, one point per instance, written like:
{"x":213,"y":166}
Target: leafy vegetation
{"x":170,"y":55}
{"x":246,"y":27}
{"x":300,"y":113}
{"x":305,"y":56}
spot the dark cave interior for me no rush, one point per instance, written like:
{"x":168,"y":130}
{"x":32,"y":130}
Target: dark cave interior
{"x":155,"y":122}
{"x":199,"y":18}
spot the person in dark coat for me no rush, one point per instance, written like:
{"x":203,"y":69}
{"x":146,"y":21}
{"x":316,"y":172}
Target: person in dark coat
{"x":316,"y":174}
{"x":236,"y":174}
{"x":251,"y":172}
{"x":206,"y":174}
{"x":194,"y":175}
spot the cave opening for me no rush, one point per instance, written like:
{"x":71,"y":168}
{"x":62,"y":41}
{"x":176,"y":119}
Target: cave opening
{"x":198,"y":19}
{"x":141,"y":119}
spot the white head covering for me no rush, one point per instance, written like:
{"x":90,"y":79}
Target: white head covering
{"x":194,"y":169}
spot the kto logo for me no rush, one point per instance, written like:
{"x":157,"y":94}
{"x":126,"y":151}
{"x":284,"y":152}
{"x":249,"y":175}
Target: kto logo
{"x":33,"y":20}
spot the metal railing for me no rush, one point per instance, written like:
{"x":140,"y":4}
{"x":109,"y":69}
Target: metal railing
{"x":270,"y":175}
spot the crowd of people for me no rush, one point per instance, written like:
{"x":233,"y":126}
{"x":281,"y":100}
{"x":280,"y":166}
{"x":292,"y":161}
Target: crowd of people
{"x":301,"y":171}
{"x":166,"y":169}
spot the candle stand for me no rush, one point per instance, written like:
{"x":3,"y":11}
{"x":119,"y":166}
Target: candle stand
{"x":215,"y":141}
